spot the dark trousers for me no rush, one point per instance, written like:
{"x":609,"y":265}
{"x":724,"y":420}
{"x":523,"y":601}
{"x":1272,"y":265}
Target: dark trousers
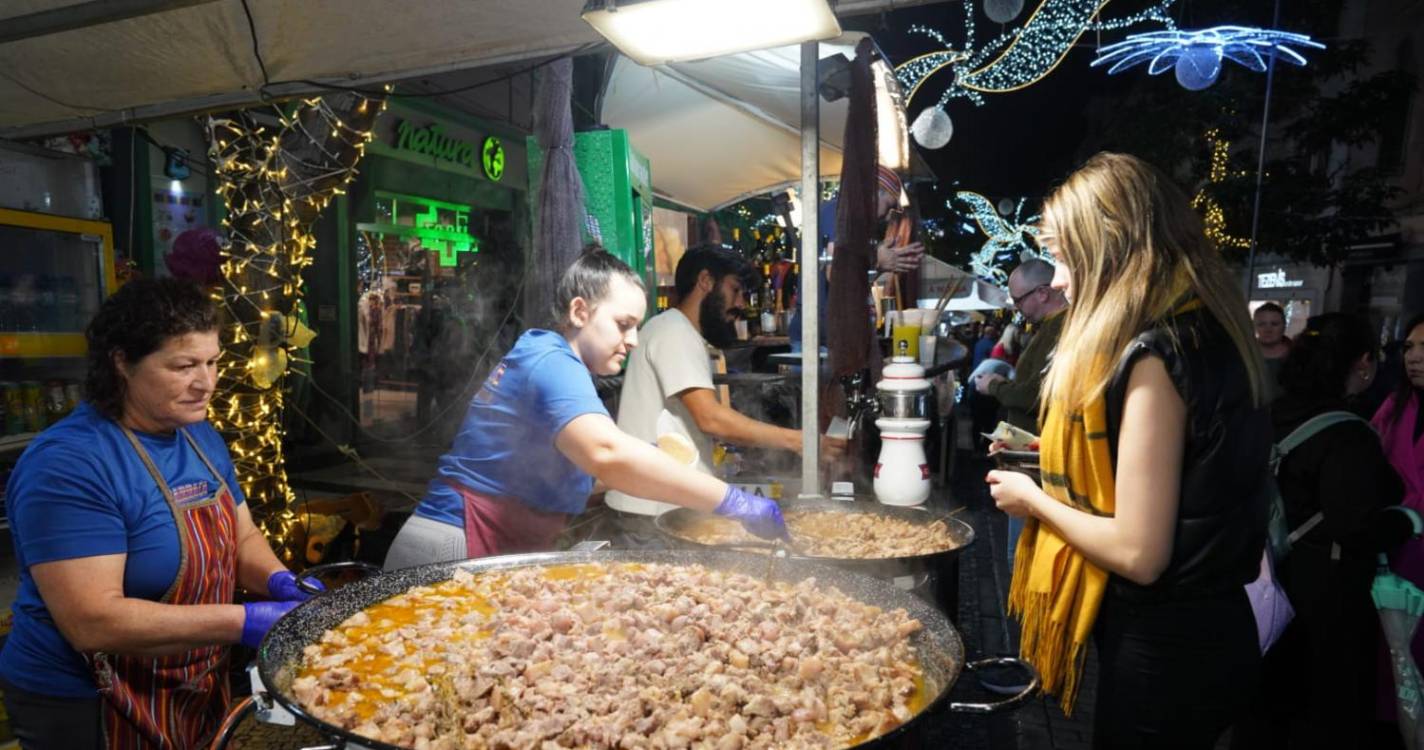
{"x":43,"y":722}
{"x":1173,"y":675}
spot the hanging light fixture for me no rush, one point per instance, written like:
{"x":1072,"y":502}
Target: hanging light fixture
{"x":892,"y":130}
{"x":652,"y":32}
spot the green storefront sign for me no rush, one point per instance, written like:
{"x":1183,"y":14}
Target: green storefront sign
{"x":492,"y":158}
{"x":432,"y":141}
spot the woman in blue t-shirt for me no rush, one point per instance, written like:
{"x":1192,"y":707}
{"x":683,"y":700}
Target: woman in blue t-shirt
{"x":536,"y":436}
{"x":131,"y":534}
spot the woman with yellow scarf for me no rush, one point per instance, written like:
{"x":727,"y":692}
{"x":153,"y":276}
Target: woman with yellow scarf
{"x":1152,"y":513}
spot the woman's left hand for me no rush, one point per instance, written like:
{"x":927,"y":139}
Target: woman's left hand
{"x":1013,"y":492}
{"x":282,"y":586}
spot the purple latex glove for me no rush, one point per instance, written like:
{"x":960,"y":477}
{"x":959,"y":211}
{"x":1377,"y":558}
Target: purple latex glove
{"x":282,"y":586}
{"x":758,"y":514}
{"x":259,"y":617}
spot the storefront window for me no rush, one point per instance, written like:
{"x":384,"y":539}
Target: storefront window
{"x":431,"y":294}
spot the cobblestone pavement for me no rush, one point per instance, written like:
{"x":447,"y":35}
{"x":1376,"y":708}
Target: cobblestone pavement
{"x":984,"y":580}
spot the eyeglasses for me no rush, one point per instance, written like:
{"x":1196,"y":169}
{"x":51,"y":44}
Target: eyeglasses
{"x":1018,"y":301}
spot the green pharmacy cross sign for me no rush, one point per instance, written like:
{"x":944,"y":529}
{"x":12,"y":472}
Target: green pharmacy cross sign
{"x":436,"y":225}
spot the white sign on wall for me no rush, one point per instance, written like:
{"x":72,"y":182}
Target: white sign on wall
{"x":1277,"y":279}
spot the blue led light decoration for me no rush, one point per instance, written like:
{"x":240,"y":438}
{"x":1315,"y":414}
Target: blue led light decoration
{"x":1016,"y":59}
{"x":1009,"y":238}
{"x":1197,"y":56}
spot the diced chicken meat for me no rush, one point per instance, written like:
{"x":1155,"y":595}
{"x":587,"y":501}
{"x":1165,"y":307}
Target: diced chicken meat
{"x":616,"y":656}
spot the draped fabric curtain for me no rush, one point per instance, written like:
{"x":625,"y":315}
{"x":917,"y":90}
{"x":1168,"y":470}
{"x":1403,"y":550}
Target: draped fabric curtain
{"x":558,"y":234}
{"x":851,"y":334}
{"x":851,"y":337}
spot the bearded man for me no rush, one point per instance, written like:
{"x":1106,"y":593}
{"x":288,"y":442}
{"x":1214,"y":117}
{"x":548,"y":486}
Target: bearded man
{"x":668,"y":388}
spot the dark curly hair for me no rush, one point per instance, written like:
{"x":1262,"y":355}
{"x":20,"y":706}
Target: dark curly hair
{"x":135,"y":322}
{"x":1320,"y":361}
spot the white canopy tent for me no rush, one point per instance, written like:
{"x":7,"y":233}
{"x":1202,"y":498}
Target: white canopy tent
{"x":721,"y":130}
{"x":717,"y":131}
{"x":70,"y":65}
{"x":981,"y":295}
{"x":967,"y":292}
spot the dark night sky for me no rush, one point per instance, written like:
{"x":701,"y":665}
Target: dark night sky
{"x":1024,"y":142}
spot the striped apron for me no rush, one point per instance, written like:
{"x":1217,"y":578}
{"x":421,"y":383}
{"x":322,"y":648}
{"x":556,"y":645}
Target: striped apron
{"x":177,"y":702}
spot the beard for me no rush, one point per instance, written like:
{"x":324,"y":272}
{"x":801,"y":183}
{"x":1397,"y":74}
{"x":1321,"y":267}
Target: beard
{"x":716,"y":329}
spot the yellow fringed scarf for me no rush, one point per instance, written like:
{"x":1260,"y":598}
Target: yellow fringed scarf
{"x":1055,"y":591}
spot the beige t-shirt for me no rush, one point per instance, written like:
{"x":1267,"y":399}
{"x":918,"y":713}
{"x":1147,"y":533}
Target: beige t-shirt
{"x":671,"y":357}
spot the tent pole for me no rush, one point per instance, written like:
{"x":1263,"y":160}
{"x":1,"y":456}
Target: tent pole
{"x":810,"y":271}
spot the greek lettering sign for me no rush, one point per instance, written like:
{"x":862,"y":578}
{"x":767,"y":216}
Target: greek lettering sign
{"x":431,"y":140}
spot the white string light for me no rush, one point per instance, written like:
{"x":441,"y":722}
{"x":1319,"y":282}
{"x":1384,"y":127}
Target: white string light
{"x":1017,"y":58}
{"x":1008,"y":238}
{"x":1196,"y":55}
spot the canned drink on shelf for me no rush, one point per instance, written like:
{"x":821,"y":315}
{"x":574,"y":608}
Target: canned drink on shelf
{"x":73,"y":394}
{"x":54,"y":403}
{"x":14,"y":408}
{"x":33,"y":405}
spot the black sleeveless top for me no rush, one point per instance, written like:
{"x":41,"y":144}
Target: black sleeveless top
{"x":1222,"y":510}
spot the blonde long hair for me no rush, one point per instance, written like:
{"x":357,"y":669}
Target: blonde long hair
{"x":1134,"y":250}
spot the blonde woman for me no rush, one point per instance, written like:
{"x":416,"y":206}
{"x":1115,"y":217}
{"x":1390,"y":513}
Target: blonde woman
{"x":1155,"y":444}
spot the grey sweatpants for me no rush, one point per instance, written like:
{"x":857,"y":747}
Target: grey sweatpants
{"x":422,"y":541}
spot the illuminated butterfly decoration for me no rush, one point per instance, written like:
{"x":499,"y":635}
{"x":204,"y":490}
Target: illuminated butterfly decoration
{"x":1007,"y":237}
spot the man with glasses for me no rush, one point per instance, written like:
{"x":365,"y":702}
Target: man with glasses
{"x":1041,"y":306}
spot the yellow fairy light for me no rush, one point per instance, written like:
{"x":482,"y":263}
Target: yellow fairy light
{"x":1213,"y":217}
{"x":269,"y":245}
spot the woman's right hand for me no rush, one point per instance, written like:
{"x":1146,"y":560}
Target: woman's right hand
{"x":1013,"y":492}
{"x":258,"y":618}
{"x":758,"y":514}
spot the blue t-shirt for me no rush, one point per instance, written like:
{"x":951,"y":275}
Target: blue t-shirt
{"x":81,"y":490}
{"x":505,"y":446}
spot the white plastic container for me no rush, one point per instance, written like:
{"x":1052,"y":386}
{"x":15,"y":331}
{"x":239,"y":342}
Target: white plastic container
{"x":902,"y":473}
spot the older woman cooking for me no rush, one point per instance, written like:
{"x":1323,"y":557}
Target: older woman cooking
{"x":131,"y":534}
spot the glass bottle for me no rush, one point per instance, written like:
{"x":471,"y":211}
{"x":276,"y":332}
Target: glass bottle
{"x":45,"y":303}
{"x":67,"y":304}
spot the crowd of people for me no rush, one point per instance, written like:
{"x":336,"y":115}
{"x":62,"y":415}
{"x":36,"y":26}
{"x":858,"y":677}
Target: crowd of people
{"x":1164,"y":409}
